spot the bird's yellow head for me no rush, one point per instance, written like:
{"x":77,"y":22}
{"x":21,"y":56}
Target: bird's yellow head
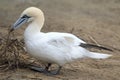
{"x":28,"y":15}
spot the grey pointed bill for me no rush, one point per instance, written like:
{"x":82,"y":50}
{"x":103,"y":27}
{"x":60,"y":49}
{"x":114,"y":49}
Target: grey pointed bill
{"x":19,"y":22}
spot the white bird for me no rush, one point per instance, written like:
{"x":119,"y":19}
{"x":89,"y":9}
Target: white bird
{"x":51,"y":47}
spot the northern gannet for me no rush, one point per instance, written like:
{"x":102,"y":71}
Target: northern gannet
{"x":51,"y":47}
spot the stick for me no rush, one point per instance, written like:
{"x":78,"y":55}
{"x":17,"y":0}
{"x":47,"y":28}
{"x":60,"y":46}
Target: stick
{"x":94,"y":40}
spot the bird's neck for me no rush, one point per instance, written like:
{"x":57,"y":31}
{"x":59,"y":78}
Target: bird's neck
{"x":33,"y":29}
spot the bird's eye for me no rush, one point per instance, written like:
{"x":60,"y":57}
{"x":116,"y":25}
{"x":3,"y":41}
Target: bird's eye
{"x":25,"y":16}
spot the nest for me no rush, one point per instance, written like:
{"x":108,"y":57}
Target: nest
{"x":12,"y":52}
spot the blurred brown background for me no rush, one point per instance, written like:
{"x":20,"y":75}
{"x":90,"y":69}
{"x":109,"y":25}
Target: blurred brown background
{"x":87,"y":19}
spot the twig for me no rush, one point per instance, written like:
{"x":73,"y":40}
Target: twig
{"x":72,"y":30}
{"x":94,"y":40}
{"x":7,"y":42}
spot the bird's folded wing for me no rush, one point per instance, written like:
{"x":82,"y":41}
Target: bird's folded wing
{"x":65,"y":40}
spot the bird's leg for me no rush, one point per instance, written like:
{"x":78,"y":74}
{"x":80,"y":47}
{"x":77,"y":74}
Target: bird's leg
{"x":47,"y":68}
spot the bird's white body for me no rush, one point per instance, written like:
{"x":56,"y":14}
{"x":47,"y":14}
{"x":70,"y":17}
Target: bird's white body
{"x":53,"y":47}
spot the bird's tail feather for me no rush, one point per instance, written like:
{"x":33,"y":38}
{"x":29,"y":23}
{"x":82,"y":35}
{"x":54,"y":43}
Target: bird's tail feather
{"x":95,"y":55}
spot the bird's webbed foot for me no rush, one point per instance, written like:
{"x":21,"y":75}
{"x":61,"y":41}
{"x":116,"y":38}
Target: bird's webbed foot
{"x":36,"y":68}
{"x":46,"y":70}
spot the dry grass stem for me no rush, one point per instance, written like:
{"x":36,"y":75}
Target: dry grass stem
{"x":10,"y":49}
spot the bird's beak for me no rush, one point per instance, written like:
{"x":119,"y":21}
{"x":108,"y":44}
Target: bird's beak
{"x":19,"y":23}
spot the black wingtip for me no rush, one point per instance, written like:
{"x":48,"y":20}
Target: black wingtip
{"x":94,"y":46}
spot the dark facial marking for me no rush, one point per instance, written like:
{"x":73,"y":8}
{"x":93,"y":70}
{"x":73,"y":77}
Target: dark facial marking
{"x":25,"y":16}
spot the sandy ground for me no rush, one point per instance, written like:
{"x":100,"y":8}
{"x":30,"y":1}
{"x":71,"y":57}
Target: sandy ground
{"x":87,"y":19}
